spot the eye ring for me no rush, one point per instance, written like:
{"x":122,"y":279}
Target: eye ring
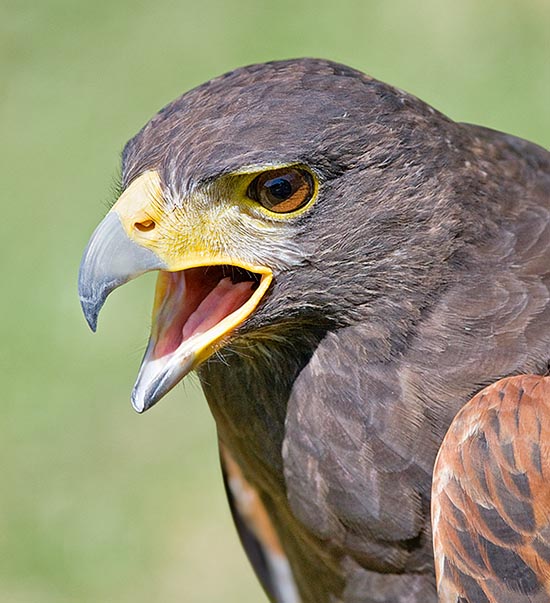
{"x":282,"y":191}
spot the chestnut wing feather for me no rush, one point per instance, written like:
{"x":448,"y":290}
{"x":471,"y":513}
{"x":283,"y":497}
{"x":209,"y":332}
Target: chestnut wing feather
{"x":491,"y":497}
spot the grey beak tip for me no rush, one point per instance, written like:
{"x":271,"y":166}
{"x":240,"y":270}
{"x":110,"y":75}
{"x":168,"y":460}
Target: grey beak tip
{"x":92,"y":323}
{"x":139,"y":405}
{"x":144,"y":398}
{"x":91,"y":312}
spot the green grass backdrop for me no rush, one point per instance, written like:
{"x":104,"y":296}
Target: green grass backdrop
{"x":98,"y":504}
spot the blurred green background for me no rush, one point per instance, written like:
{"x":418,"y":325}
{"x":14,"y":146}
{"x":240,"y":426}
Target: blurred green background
{"x":98,"y":504}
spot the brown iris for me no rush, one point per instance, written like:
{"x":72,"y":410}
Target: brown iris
{"x":282,"y":191}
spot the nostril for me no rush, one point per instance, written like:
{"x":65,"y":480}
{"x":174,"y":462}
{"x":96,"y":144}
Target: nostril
{"x":145,"y":226}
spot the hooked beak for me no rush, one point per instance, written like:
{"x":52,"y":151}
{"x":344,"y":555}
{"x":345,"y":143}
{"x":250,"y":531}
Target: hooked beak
{"x":201,"y":296}
{"x":110,"y":259}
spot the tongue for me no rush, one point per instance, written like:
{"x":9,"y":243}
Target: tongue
{"x":225,"y":298}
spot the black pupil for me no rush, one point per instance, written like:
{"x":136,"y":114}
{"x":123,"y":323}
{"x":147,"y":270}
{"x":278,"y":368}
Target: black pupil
{"x":279,"y":188}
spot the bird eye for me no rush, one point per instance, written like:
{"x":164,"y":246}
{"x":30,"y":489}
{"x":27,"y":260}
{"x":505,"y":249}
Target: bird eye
{"x":282,"y":191}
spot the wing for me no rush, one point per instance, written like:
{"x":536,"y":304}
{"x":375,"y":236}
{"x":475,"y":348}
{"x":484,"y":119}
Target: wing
{"x":491,"y":497}
{"x":258,"y":537}
{"x":357,"y":471}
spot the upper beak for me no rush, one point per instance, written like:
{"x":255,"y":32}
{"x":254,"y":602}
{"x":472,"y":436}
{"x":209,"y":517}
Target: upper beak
{"x":110,"y":259}
{"x":116,"y":252}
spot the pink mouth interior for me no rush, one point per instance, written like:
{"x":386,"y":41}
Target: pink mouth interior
{"x":196,"y":299}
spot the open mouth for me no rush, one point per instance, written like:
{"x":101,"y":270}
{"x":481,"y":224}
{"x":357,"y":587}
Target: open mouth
{"x":194,"y":312}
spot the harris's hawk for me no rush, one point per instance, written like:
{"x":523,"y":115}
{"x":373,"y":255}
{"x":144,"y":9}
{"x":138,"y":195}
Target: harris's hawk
{"x":345,"y":268}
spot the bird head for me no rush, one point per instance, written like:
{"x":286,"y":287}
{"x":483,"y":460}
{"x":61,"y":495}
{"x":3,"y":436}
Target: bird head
{"x":295,"y":193}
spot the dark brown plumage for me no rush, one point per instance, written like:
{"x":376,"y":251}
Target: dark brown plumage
{"x":418,"y":274}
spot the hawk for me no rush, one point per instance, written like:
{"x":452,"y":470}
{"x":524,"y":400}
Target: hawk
{"x":347,"y":269}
